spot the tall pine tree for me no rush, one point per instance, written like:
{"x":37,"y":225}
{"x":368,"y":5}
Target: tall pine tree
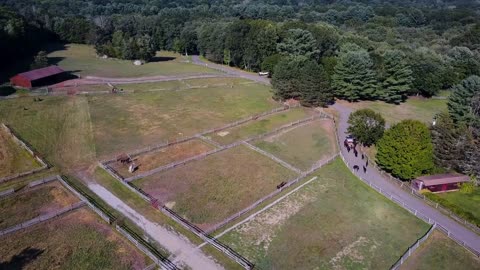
{"x":461,"y":102}
{"x":354,"y":77}
{"x":397,"y":79}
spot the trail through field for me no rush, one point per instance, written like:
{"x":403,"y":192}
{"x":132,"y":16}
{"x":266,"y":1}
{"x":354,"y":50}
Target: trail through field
{"x":179,"y":246}
{"x":92,"y":80}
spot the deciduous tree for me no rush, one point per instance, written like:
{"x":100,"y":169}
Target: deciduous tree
{"x":366,"y":126}
{"x":406,"y":150}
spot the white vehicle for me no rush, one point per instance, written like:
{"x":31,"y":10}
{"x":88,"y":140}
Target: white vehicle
{"x":263,"y":73}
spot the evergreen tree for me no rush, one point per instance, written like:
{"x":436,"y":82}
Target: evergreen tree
{"x":354,"y":77}
{"x":298,"y":42}
{"x":460,"y":103}
{"x":406,"y":150}
{"x":40,"y":60}
{"x":366,"y":125}
{"x":397,"y":80}
{"x":304,"y":80}
{"x":450,"y":143}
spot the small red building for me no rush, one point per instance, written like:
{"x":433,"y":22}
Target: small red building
{"x":440,"y":182}
{"x":36,"y":77}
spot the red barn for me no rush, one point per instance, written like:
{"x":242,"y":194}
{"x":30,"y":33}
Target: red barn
{"x":36,"y":77}
{"x":440,"y":182}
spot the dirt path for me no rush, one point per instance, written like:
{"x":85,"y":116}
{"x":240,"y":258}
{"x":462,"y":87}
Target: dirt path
{"x":181,"y":248}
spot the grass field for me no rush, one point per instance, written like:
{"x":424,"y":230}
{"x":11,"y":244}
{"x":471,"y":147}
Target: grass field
{"x":259,"y":126}
{"x":126,"y":122}
{"x":303,"y":146}
{"x":209,"y":190}
{"x":421,"y":109}
{"x":440,"y":252}
{"x":13,"y":158}
{"x":335,"y":222}
{"x":57,"y":127}
{"x":77,"y":240}
{"x":34,"y":202}
{"x":82,"y":60}
{"x":465,"y":205}
{"x":152,"y":160}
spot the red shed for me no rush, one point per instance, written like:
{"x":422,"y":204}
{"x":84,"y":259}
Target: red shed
{"x":36,"y":77}
{"x":440,"y":182}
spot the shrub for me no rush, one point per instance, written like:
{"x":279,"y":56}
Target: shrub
{"x":467,"y":188}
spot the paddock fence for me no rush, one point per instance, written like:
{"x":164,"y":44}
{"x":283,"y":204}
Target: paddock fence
{"x":412,"y":248}
{"x":28,"y":148}
{"x":7,"y":192}
{"x":214,"y":151}
{"x":41,"y":218}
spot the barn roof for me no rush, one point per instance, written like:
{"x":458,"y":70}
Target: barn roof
{"x":440,"y":179}
{"x":36,"y":74}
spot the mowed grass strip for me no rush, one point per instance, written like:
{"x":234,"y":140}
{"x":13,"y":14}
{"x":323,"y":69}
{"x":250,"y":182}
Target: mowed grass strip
{"x":59,"y":128}
{"x":164,"y":156}
{"x":83,"y":60}
{"x":303,"y":146}
{"x":126,"y":122}
{"x":421,"y":109}
{"x":31,"y":203}
{"x":13,"y":158}
{"x":335,"y":222}
{"x":209,"y":190}
{"x":259,"y":126}
{"x":76,"y":240}
{"x":441,"y":252}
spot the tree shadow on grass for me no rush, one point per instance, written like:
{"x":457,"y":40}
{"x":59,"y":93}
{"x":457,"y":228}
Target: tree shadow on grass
{"x":20,"y":260}
{"x":162,"y":59}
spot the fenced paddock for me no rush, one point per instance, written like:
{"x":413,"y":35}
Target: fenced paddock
{"x":209,"y":190}
{"x":333,"y":222}
{"x":77,"y":239}
{"x":18,"y":159}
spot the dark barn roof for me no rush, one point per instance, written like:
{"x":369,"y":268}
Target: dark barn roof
{"x":40,"y":73}
{"x":440,"y":179}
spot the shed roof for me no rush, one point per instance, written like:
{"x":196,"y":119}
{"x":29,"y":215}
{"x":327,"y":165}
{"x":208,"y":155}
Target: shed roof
{"x":36,"y":74}
{"x":440,"y":179}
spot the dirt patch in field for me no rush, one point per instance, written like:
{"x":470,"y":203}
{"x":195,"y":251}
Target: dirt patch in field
{"x":150,"y":161}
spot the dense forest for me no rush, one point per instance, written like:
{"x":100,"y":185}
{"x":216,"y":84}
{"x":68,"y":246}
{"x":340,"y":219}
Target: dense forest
{"x":315,"y":50}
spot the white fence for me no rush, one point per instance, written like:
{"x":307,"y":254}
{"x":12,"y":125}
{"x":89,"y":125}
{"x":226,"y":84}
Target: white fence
{"x":412,"y":248}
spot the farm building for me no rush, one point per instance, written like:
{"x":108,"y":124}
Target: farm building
{"x":37,"y":77}
{"x":440,"y":182}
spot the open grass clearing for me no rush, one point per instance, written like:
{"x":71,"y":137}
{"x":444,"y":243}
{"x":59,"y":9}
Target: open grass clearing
{"x":422,"y":109}
{"x":76,"y":240}
{"x":82,"y":60}
{"x":441,"y":252}
{"x":164,"y":156}
{"x":303,"y":146}
{"x":59,"y":128}
{"x":209,"y":190}
{"x":259,"y":126}
{"x":335,"y":222}
{"x":122,"y":123}
{"x":34,"y":202}
{"x":14,"y":159}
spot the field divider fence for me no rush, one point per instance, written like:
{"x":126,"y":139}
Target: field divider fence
{"x":28,"y":148}
{"x":412,"y":248}
{"x":7,"y":192}
{"x":402,"y":204}
{"x":272,"y":157}
{"x":42,"y":218}
{"x":269,"y":196}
